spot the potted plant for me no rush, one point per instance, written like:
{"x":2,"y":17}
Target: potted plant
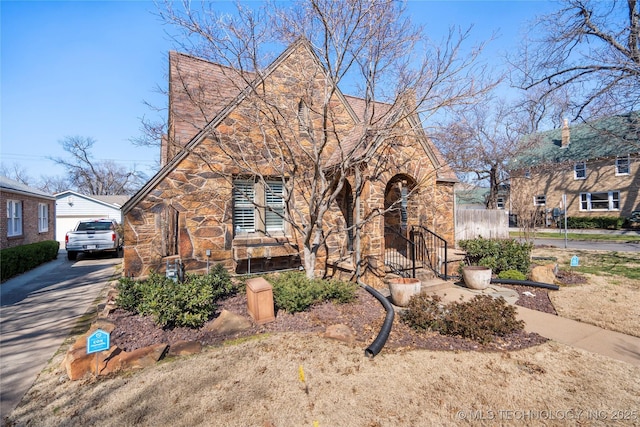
{"x":476,"y":276}
{"x":402,"y":289}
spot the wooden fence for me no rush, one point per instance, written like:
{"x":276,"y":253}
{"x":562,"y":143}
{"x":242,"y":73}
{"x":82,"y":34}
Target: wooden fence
{"x":490,"y":224}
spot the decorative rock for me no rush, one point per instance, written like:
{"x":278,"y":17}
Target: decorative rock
{"x":339,"y":332}
{"x":143,"y":357}
{"x":78,"y":363}
{"x":228,"y":322}
{"x":543,"y":273}
{"x":184,"y":348}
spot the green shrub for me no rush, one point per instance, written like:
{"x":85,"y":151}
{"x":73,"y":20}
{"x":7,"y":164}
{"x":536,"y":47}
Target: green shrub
{"x":498,"y":254}
{"x":594,"y":222}
{"x":17,"y":260}
{"x":129,"y":294}
{"x":172,"y":303}
{"x":512,"y":275}
{"x":480,"y":319}
{"x":294,"y":292}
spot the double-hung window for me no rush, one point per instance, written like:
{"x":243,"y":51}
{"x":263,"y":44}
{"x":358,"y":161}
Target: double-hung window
{"x":540,"y":200}
{"x":580,"y":170}
{"x":43,"y":217}
{"x":258,"y":206}
{"x":622,"y":165}
{"x":14,"y":218}
{"x":604,"y":201}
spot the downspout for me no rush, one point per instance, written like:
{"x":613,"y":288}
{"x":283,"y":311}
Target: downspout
{"x":381,"y":339}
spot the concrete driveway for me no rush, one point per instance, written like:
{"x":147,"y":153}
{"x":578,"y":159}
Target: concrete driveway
{"x":38,"y":309}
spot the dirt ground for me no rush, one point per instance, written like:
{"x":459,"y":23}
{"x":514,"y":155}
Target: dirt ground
{"x":254,"y":379}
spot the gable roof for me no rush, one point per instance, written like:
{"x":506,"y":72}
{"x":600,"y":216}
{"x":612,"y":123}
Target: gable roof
{"x":220,"y":74}
{"x":199,"y":90}
{"x":609,"y":137}
{"x":112,"y":201}
{"x":12,"y":186}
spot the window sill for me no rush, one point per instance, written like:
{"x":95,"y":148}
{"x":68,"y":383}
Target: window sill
{"x":260,"y":239}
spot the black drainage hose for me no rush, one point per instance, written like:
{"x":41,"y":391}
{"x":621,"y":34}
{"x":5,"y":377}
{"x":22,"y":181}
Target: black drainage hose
{"x":381,"y":339}
{"x":526,"y":283}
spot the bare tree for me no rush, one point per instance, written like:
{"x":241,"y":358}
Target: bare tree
{"x":368,"y":47}
{"x":591,"y":51}
{"x":54,"y":184}
{"x":16,"y":172}
{"x":92,"y":177}
{"x":480,"y":141}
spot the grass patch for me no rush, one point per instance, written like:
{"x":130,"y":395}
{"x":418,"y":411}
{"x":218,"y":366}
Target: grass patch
{"x":625,"y":264}
{"x":581,"y":236}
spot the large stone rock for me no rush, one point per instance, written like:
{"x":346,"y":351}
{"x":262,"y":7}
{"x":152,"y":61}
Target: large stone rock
{"x":543,"y":273}
{"x":142,"y":357}
{"x":78,"y":363}
{"x":228,"y":322}
{"x":340,"y":332}
{"x":185,"y":348}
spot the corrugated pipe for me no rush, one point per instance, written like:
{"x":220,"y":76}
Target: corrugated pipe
{"x":381,"y":339}
{"x":526,"y":283}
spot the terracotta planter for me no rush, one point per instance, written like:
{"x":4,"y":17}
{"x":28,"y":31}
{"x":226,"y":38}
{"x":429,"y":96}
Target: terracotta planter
{"x":476,"y":277}
{"x":402,"y":289}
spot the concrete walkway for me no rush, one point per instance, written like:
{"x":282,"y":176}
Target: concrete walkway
{"x":566,"y":331}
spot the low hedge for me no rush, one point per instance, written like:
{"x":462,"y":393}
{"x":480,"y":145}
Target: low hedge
{"x":594,"y":222}
{"x":17,"y":260}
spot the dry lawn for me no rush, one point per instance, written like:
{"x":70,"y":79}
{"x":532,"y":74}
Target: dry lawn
{"x":257,"y":383}
{"x":608,"y":301}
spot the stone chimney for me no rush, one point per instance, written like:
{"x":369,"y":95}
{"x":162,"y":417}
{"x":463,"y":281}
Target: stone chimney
{"x":566,"y":134}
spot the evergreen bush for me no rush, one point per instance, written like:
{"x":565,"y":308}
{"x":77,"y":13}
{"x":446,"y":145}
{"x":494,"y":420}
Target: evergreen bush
{"x":19,"y":259}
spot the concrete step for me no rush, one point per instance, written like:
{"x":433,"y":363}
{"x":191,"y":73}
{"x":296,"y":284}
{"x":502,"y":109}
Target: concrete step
{"x":434,"y":285}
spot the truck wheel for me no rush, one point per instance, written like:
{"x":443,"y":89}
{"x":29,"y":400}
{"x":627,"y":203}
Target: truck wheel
{"x":71,"y":255}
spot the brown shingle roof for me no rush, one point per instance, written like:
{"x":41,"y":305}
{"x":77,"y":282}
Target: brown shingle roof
{"x":198,"y":91}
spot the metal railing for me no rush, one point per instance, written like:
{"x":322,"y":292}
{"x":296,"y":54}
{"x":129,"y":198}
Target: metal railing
{"x":430,"y":250}
{"x":399,"y":257}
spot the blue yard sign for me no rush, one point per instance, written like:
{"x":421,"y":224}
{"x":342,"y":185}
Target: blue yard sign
{"x":98,"y":341}
{"x":574,"y":261}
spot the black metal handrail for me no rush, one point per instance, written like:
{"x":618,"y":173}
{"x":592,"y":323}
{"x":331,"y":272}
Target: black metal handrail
{"x":400,"y":258}
{"x":430,"y":250}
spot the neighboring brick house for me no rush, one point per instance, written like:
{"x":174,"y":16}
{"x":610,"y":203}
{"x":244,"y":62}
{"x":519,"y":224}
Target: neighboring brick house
{"x":30,"y":214}
{"x":203,"y":207}
{"x":596,"y":164}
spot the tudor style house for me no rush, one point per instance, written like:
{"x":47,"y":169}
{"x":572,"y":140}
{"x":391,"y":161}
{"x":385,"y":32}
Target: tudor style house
{"x":230,"y":191}
{"x":30,"y":214}
{"x":596,"y":165}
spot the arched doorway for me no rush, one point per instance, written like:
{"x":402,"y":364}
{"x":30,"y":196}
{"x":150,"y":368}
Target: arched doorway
{"x":397,"y":217}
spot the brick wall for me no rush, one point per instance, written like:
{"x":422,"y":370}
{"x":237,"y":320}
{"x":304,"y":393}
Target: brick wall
{"x":30,"y":233}
{"x":558,"y":179}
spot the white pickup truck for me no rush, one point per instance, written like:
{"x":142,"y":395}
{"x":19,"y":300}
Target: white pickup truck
{"x":94,"y":235}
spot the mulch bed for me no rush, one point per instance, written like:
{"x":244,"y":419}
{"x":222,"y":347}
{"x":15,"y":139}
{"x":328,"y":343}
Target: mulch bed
{"x":364,"y":317}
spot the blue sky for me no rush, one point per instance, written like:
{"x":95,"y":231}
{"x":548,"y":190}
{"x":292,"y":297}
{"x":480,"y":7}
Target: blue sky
{"x":86,"y":67}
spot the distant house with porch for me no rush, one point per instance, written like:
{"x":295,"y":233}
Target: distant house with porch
{"x":203,"y":205}
{"x":30,"y":214}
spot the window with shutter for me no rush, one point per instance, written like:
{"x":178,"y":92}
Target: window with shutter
{"x":243,"y":206}
{"x":274,"y":212}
